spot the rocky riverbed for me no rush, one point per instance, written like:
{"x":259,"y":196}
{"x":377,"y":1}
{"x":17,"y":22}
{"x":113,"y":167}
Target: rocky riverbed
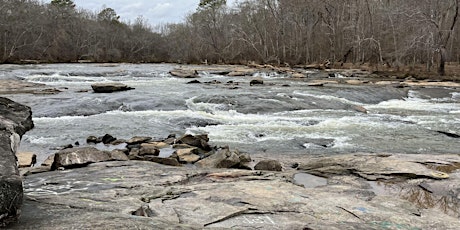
{"x":307,"y":150}
{"x":136,"y":187}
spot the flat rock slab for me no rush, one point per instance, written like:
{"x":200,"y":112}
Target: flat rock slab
{"x":79,"y":157}
{"x":17,"y":87}
{"x":109,"y":87}
{"x":146,"y":195}
{"x":377,"y":166}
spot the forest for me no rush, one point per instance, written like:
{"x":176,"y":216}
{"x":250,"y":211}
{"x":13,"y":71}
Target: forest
{"x":280,"y":32}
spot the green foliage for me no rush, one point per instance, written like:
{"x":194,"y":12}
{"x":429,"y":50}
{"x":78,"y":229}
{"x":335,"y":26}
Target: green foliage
{"x":108,"y":15}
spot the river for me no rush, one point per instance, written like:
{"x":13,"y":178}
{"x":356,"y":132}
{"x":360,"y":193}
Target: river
{"x":284,"y":116}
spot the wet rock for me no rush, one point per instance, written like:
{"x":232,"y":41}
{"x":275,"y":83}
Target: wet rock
{"x":240,"y":73}
{"x":194,"y":82}
{"x":223,"y":158}
{"x":109,"y":87}
{"x":15,"y":120}
{"x":80,"y":157}
{"x":171,"y":161}
{"x":93,"y":140}
{"x":188,"y":155}
{"x":158,"y":145}
{"x":107,"y":139}
{"x":26,"y":159}
{"x":316,"y":84}
{"x":148,"y":150}
{"x":213,"y":82}
{"x":138,"y":140}
{"x":256,"y":82}
{"x":134,"y":154}
{"x":182,"y":146}
{"x":359,"y":108}
{"x":200,"y":141}
{"x":183,"y":73}
{"x":118,"y":155}
{"x":118,"y":142}
{"x":269,"y":165}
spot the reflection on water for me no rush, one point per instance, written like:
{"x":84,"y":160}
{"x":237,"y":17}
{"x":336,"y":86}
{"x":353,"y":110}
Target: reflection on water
{"x":419,"y":196}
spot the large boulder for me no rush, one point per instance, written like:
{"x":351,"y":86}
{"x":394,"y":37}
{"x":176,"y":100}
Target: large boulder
{"x":223,"y":158}
{"x":15,"y":120}
{"x":269,"y":165}
{"x":79,"y":157}
{"x":199,"y":141}
{"x":109,"y":87}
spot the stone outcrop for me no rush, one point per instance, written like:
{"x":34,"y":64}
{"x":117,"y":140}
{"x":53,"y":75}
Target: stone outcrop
{"x":109,"y":87}
{"x":145,"y":195}
{"x":79,"y":157}
{"x":15,"y":120}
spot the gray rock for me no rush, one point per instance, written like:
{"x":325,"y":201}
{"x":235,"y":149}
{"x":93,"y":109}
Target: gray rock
{"x":109,"y":87}
{"x":138,"y":140}
{"x":188,"y":156}
{"x":149,"y":150}
{"x":79,"y":157}
{"x":384,"y":167}
{"x":15,"y":120}
{"x":172,"y":161}
{"x":93,"y":139}
{"x":256,"y":82}
{"x":221,"y":159}
{"x":269,"y":165}
{"x":184,"y":73}
{"x":107,"y":139}
{"x":145,"y":195}
{"x":118,"y":155}
{"x":200,"y":141}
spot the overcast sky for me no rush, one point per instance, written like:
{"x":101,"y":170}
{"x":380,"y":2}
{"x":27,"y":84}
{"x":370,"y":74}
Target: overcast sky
{"x":155,"y":11}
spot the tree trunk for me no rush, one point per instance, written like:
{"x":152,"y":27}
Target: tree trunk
{"x":442,"y":61}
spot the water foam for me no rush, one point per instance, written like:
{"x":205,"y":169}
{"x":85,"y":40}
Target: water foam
{"x":329,"y":97}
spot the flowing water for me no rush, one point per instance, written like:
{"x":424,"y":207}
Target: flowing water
{"x":284,"y":116}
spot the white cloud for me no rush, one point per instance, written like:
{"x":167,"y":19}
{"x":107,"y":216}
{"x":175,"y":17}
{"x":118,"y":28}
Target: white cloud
{"x":155,"y":11}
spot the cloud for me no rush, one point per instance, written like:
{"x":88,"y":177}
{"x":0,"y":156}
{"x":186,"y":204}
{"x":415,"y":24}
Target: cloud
{"x":155,"y":11}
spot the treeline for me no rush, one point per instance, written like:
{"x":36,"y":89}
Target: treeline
{"x":380,"y":32}
{"x":60,"y":32}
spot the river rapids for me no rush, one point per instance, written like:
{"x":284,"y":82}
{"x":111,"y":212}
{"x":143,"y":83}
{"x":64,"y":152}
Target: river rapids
{"x":284,"y":116}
